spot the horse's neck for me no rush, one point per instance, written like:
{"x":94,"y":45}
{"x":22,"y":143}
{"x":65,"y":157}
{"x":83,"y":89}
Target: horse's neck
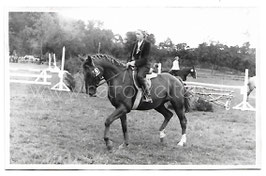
{"x":111,"y":73}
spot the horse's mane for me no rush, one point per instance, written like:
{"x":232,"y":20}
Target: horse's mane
{"x":108,"y":58}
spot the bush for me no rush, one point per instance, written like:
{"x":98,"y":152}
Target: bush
{"x":73,"y":65}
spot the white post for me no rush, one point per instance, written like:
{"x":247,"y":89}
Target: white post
{"x":50,"y":60}
{"x":54,"y":60}
{"x":245,"y":85}
{"x":55,"y":69}
{"x":63,"y":59}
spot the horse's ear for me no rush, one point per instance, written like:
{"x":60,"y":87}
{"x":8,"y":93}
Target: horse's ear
{"x":89,"y":60}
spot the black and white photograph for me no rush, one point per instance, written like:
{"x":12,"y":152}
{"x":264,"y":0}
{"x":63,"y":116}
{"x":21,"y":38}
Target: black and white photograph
{"x":137,"y":86}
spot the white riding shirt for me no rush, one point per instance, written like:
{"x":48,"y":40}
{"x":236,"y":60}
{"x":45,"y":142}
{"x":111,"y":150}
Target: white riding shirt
{"x":175,"y":65}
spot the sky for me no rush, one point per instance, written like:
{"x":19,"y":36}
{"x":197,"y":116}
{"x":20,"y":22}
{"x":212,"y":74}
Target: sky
{"x":192,"y":25}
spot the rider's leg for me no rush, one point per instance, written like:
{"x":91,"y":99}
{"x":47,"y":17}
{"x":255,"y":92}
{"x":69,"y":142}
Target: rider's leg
{"x":142,"y":71}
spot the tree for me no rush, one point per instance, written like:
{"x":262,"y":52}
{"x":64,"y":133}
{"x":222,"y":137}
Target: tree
{"x":43,"y":30}
{"x":181,"y":46}
{"x":167,"y":45}
{"x":151,"y":39}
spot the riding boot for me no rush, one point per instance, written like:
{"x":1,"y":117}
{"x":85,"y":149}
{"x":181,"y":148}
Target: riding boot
{"x":146,"y":91}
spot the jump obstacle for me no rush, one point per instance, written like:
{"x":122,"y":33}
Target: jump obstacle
{"x":218,"y":96}
{"x":244,"y":105}
{"x":225,"y":95}
{"x":220,"y":93}
{"x":42,"y":77}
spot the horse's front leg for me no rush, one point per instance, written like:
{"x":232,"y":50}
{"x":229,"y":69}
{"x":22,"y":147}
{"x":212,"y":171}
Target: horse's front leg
{"x":86,"y":86}
{"x":118,"y":113}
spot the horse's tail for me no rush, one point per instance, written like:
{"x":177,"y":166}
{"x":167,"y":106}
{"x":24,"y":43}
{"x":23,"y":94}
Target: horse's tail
{"x":187,"y":96}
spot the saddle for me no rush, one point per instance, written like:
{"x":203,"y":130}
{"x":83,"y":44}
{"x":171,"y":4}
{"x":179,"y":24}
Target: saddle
{"x":139,"y":95}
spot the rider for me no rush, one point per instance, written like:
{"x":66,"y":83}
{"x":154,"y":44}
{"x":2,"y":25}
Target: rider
{"x":139,"y":58}
{"x":175,"y":68}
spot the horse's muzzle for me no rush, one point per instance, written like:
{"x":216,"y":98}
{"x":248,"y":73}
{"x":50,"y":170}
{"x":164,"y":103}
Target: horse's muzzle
{"x":92,"y":95}
{"x":92,"y":91}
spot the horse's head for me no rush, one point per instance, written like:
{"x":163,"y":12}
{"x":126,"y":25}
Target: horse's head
{"x":92,"y":76}
{"x":193,"y":72}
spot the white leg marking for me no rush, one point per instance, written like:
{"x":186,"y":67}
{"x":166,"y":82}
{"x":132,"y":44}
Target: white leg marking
{"x":162,"y":133}
{"x":183,"y":140}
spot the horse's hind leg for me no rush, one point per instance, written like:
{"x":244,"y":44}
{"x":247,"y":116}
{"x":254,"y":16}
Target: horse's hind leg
{"x":167,"y":116}
{"x":179,"y":109}
{"x":124,"y":129}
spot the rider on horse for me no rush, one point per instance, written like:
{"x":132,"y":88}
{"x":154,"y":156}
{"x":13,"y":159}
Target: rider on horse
{"x":139,"y":58}
{"x":175,"y":68}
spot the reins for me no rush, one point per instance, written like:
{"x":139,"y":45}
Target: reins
{"x":111,"y":77}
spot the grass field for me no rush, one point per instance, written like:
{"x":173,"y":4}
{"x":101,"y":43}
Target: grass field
{"x":50,"y":127}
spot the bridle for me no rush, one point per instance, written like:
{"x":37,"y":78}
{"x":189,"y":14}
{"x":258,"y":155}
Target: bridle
{"x":97,"y":74}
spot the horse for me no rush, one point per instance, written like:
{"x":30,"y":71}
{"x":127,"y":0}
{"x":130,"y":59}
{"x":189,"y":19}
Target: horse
{"x":122,"y":94}
{"x":183,"y":73}
{"x":251,"y":85}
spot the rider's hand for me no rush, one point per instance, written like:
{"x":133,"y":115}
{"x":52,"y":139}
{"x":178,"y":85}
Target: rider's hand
{"x":127,"y":64}
{"x":132,"y":63}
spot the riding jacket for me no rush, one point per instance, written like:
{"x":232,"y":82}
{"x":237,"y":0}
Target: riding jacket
{"x":140,"y":54}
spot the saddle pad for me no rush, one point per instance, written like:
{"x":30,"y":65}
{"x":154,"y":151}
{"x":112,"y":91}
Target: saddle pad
{"x":140,"y":92}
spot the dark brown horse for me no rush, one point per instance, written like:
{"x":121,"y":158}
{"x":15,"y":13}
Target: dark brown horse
{"x":183,"y":73}
{"x":122,"y":94}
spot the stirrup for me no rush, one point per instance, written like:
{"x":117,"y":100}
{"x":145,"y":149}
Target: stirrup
{"x":147,"y":99}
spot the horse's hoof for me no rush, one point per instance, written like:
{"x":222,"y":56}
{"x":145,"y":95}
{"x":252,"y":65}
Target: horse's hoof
{"x":181,"y":144}
{"x":122,"y":146}
{"x":109,"y":147}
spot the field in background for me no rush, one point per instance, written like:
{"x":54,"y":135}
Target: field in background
{"x":50,"y":127}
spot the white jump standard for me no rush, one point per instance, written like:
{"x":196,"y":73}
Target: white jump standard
{"x":244,"y":105}
{"x":61,"y":86}
{"x":54,"y":68}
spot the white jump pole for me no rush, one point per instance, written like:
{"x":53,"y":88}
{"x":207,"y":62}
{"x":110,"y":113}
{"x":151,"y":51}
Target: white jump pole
{"x":53,"y":68}
{"x":244,"y":105}
{"x":56,"y":69}
{"x":50,"y":60}
{"x":54,"y":59}
{"x":61,"y":86}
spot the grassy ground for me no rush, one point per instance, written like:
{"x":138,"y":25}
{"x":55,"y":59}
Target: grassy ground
{"x":50,"y":127}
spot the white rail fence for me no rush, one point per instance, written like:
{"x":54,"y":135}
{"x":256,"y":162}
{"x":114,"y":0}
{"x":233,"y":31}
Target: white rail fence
{"x":41,"y":76}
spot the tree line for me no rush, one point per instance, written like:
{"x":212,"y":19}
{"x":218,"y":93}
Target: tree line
{"x":40,"y":33}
